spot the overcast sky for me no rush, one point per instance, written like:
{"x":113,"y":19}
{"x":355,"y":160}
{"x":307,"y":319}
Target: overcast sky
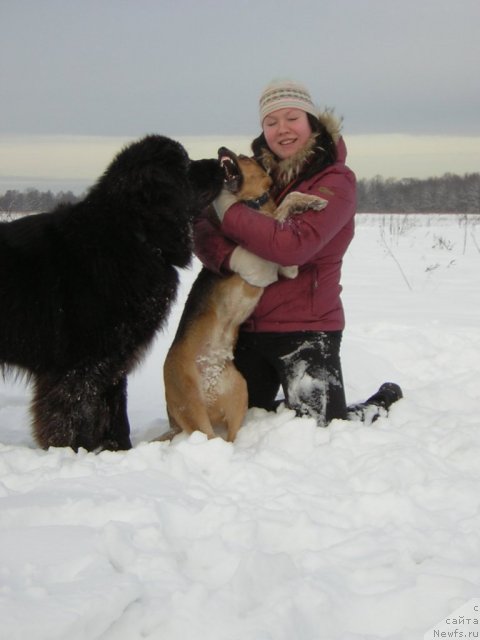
{"x":196,"y":67}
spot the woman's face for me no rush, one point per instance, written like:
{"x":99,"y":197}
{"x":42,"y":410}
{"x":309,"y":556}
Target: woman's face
{"x":286,"y":131}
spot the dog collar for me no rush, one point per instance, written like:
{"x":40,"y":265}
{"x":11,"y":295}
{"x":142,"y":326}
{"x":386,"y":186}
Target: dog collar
{"x":257,"y":202}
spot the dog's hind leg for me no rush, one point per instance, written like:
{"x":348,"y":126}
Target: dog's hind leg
{"x":191,"y":416}
{"x":187,"y":411}
{"x":171,"y":433}
{"x":228,"y":401}
{"x":232,"y":401}
{"x":185,"y":397}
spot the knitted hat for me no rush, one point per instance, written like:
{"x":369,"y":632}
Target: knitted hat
{"x":281,"y":94}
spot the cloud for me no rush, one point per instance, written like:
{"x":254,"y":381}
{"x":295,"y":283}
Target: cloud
{"x":197,"y":68}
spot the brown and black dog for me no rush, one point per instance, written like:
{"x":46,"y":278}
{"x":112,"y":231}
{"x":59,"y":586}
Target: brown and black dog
{"x":203,"y":389}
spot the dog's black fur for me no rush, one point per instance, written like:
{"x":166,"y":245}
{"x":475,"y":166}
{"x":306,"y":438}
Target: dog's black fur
{"x":84,"y":288}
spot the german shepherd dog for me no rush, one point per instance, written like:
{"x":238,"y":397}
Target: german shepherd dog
{"x":203,"y":389}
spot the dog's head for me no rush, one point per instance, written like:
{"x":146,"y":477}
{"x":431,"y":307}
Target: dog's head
{"x":155,"y":190}
{"x":243,"y":176}
{"x":157,"y":170}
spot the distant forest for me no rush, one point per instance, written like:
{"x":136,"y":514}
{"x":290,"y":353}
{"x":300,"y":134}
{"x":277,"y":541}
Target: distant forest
{"x":447,"y":194}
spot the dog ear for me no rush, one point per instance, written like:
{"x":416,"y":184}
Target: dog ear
{"x":206,"y":178}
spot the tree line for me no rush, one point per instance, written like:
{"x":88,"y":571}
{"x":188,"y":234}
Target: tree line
{"x":33,"y":200}
{"x":449,"y":193}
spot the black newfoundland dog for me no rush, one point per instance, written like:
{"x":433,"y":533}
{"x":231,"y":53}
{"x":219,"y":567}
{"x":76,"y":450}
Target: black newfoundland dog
{"x":84,"y":289}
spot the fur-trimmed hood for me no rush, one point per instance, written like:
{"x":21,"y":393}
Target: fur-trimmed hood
{"x":332,"y":123}
{"x":315,"y":155}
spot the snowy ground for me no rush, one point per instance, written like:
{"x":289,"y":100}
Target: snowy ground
{"x":292,"y":533}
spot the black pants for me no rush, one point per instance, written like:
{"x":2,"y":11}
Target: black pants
{"x":305,"y":364}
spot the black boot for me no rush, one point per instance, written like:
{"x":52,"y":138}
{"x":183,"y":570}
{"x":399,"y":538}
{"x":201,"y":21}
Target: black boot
{"x":377,"y":405}
{"x":388,"y":393}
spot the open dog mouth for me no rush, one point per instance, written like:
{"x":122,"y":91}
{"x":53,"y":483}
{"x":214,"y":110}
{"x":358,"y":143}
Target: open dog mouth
{"x":233,"y":176}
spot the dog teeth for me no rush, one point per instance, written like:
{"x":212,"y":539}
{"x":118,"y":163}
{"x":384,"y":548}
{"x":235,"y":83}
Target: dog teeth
{"x":228,"y":166}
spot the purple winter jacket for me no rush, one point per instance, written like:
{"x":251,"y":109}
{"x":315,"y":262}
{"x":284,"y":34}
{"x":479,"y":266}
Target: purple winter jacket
{"x":316,"y":241}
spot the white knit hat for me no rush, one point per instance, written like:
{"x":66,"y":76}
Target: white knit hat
{"x":282,"y":94}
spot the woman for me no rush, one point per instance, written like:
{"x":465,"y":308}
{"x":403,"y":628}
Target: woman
{"x":293,"y":337}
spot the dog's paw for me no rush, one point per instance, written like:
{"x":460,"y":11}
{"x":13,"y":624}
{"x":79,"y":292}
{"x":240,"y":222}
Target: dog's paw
{"x":317,"y":203}
{"x":168,"y":435}
{"x":297,"y":202}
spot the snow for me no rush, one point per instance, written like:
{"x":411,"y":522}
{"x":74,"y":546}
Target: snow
{"x":292,"y":532}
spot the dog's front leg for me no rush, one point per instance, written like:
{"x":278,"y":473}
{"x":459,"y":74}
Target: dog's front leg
{"x":66,"y":410}
{"x":297,"y":202}
{"x":73,"y":409}
{"x":117,"y":436}
{"x":294,"y":203}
